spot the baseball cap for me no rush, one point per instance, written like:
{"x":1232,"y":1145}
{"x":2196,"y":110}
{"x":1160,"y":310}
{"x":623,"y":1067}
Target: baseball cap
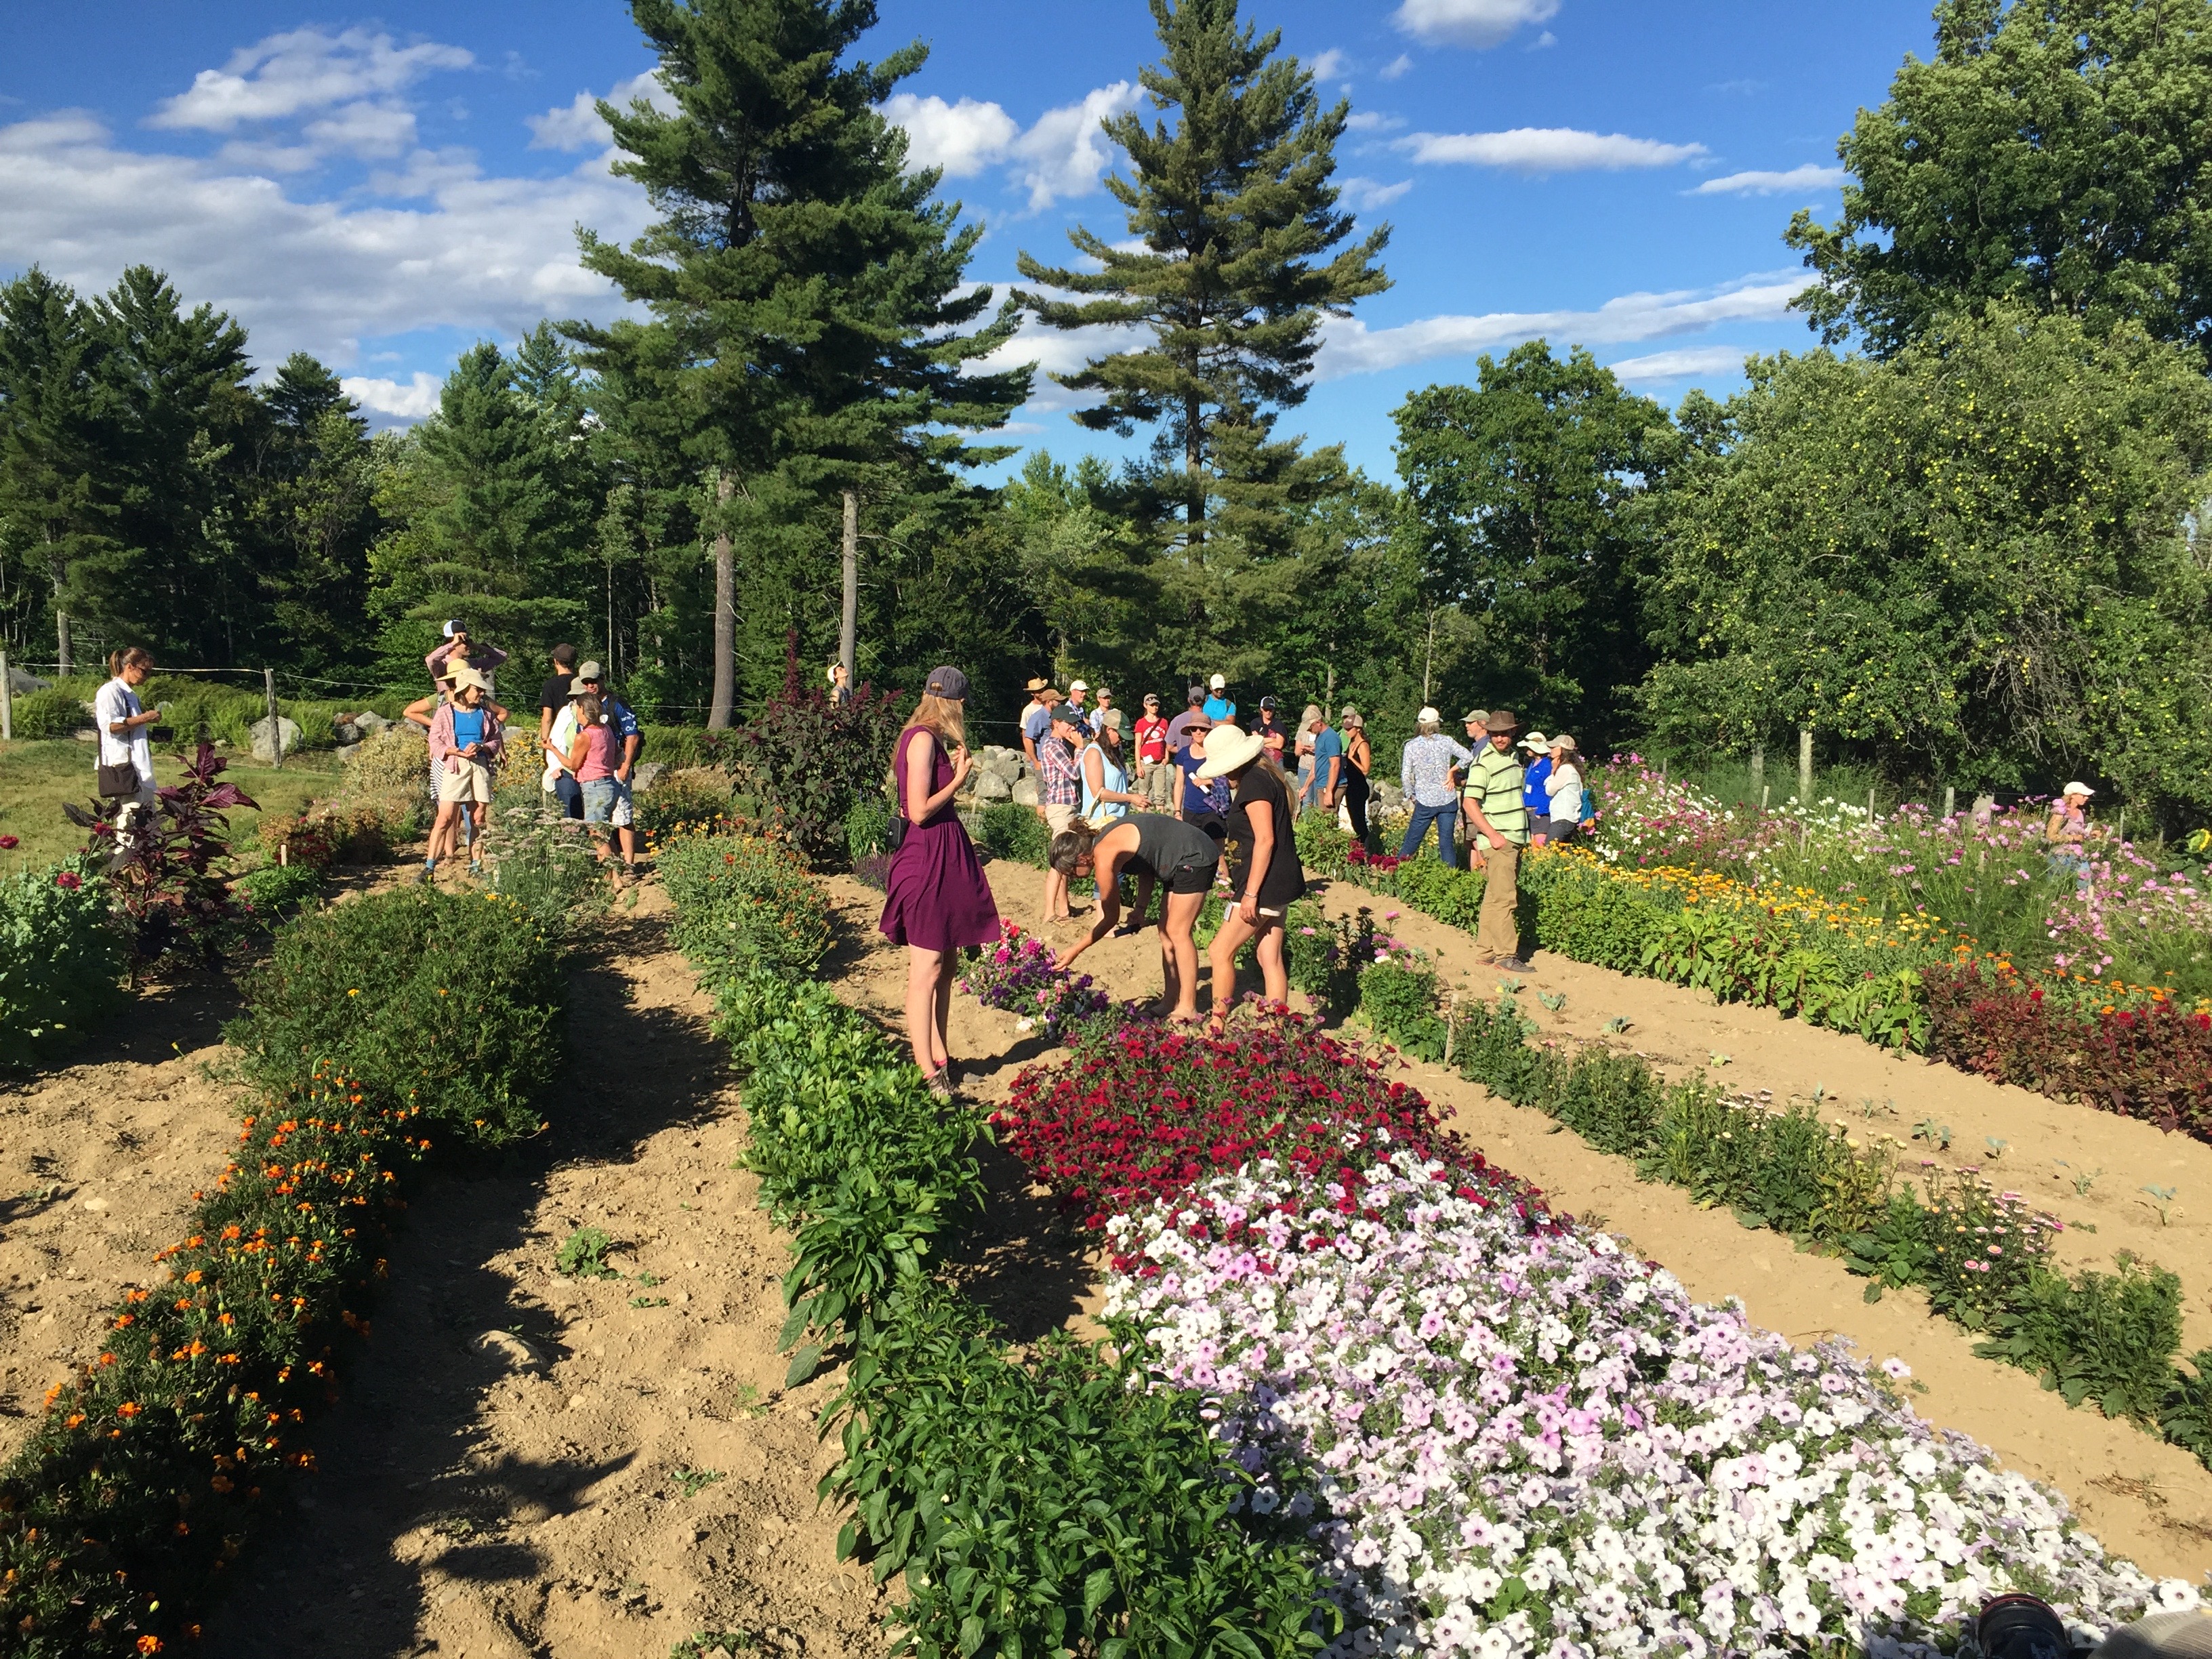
{"x":949,"y":683}
{"x":2077,"y":788}
{"x":1267,"y":702}
{"x":587,"y":670}
{"x":1079,"y":686}
{"x":1151,"y":699}
{"x":456,"y":626}
{"x":1428,"y":716}
{"x":1197,"y":694}
{"x":1216,"y":682}
{"x":1477,"y":717}
{"x":1067,"y":714}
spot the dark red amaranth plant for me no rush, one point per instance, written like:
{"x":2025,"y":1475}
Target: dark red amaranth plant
{"x":166,"y":864}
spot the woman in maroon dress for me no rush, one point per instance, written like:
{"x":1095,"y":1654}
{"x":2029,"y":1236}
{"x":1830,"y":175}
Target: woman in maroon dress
{"x":939,"y":900}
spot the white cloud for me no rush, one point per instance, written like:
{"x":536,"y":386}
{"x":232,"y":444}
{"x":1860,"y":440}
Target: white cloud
{"x":484,"y":255}
{"x":1350,"y":346}
{"x":1548,"y":149}
{"x":1062,"y":156}
{"x":364,"y":128}
{"x":1365,"y":195}
{"x":1808,"y":177}
{"x":413,"y":402}
{"x":1065,"y":152}
{"x":1469,"y":22}
{"x":1367,"y":120}
{"x":963,"y":138}
{"x":1680,"y":365}
{"x":1547,"y":38}
{"x":576,"y":125}
{"x":1329,"y":65}
{"x":1396,"y":67}
{"x":286,"y":75}
{"x":1058,"y":352}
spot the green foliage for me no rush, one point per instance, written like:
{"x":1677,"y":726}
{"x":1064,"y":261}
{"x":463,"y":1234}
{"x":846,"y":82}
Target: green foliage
{"x":1401,"y":1003}
{"x":1971,"y":562}
{"x":1006,"y":831}
{"x":1055,"y":1506}
{"x":55,"y":712}
{"x":743,"y":902}
{"x":1521,"y":495}
{"x":2050,"y":155}
{"x":1322,"y":846}
{"x":276,"y":892}
{"x":868,"y":828}
{"x":61,"y":960}
{"x":2106,"y":1337}
{"x":542,"y":861}
{"x":1452,"y":895}
{"x":583,"y":1254}
{"x":451,"y":1005}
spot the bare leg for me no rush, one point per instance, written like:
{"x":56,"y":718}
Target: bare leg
{"x":927,"y":986}
{"x":947,"y":972}
{"x":1222,"y":955}
{"x":1179,"y":955}
{"x":1273,"y":975}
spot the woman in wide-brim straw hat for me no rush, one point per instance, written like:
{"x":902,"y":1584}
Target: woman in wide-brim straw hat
{"x":1264,"y":875}
{"x":935,"y":897}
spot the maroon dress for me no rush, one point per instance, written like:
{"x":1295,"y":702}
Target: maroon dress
{"x":937,"y":897}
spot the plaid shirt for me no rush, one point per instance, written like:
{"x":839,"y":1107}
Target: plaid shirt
{"x":1056,"y":778}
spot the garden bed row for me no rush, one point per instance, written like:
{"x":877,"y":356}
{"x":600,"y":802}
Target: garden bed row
{"x":1903,"y":984}
{"x":377,"y":1031}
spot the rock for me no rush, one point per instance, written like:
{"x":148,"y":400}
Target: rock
{"x":1007,"y":763}
{"x":507,"y":1346}
{"x":992,"y":786}
{"x":1024,"y":792}
{"x":1390,"y":797}
{"x":346,"y":734}
{"x":23,"y":685}
{"x":266,"y":739}
{"x":370,"y":722}
{"x":648,"y":773}
{"x":95,"y":1205}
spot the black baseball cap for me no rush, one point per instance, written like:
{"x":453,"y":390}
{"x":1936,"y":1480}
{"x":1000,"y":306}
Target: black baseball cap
{"x":1267,"y":702}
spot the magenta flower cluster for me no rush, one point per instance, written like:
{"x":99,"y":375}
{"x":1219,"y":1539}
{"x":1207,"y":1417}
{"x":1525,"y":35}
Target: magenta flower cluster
{"x":1017,"y":974}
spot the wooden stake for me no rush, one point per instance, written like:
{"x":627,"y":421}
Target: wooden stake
{"x":7,"y":703}
{"x":275,"y":731}
{"x":1950,"y":800}
{"x":1805,"y":765}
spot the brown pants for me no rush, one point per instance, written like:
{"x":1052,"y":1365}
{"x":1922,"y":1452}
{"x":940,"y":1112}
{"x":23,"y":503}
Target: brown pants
{"x":1498,"y":931}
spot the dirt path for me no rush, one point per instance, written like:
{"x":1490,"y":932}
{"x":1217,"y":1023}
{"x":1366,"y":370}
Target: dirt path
{"x":630,"y":1472}
{"x":98,"y":1162}
{"x":2144,"y":1498}
{"x":2050,"y":1146}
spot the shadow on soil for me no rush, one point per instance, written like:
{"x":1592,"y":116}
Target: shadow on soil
{"x":319,"y":1576}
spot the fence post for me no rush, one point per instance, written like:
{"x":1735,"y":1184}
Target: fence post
{"x":2122,"y":832}
{"x":1869,"y":803}
{"x":1950,"y":800}
{"x":275,"y":731}
{"x":7,"y":703}
{"x":1764,"y":790}
{"x":1759,"y":765}
{"x":1805,"y":765}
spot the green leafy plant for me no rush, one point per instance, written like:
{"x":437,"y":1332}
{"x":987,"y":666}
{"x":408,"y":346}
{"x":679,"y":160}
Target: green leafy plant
{"x":62,"y":959}
{"x":1013,"y":832}
{"x":744,"y":901}
{"x":583,"y":1254}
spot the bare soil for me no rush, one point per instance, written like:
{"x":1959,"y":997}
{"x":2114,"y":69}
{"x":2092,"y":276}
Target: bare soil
{"x":526,"y":1464}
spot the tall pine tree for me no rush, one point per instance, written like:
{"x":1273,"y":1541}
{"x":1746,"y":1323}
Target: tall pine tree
{"x":810,"y":328}
{"x":1236,"y":218}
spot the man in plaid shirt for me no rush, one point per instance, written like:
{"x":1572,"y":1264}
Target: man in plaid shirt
{"x":1058,"y":788}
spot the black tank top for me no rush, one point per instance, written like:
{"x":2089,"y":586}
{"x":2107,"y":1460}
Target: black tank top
{"x":1166,"y":845}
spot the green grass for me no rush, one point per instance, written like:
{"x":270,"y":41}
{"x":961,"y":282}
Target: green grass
{"x":37,"y":777}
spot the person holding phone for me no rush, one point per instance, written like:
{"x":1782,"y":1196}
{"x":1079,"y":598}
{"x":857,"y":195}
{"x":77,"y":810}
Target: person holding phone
{"x":124,"y":769}
{"x":460,"y":648}
{"x":936,"y":899}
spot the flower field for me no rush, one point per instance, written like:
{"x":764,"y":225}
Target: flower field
{"x":1902,"y":978}
{"x":1500,"y":1434}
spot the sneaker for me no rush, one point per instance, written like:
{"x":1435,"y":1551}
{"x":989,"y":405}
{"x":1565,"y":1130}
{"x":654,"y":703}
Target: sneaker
{"x":426,"y":875}
{"x":1513,"y":966}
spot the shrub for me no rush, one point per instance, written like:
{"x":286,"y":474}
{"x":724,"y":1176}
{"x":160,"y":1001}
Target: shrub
{"x":169,"y":878}
{"x":386,"y":788}
{"x":868,"y":827}
{"x":304,"y":839}
{"x":61,"y":960}
{"x":277,"y":891}
{"x":449,"y":1004}
{"x":692,"y":801}
{"x":1006,"y":831}
{"x":544,"y":862}
{"x":1323,"y":847}
{"x":744,"y":901}
{"x":55,"y":712}
{"x":808,"y":759}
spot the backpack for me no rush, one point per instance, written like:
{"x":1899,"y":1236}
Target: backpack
{"x":1589,"y":805}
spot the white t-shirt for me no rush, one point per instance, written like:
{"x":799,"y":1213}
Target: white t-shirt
{"x":116,"y":702}
{"x":557,"y":743}
{"x":1564,"y":786}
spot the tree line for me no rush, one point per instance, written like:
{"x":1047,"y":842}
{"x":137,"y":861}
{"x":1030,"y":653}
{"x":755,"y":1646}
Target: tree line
{"x":1960,"y":540}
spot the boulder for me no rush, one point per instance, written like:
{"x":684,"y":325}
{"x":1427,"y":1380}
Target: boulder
{"x":1007,"y":763}
{"x":1390,"y":797}
{"x":1024,"y":792}
{"x":266,"y":737}
{"x":371,"y":722}
{"x":647,"y":774}
{"x":23,"y":685}
{"x":992,"y":785}
{"x":509,"y":1350}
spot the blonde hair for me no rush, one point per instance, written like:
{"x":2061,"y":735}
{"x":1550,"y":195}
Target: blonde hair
{"x":946,"y":716}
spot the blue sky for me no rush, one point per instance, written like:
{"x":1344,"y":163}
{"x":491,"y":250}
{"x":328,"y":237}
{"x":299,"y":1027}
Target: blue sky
{"x":382,"y":188}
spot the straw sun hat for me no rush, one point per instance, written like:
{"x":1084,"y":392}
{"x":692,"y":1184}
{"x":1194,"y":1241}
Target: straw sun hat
{"x":1227,"y":748}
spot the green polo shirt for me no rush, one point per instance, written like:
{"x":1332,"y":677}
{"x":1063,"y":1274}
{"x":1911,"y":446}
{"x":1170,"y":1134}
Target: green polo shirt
{"x":1496,"y":781}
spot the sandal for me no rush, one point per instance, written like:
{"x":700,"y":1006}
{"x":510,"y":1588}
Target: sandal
{"x":938,"y":1084}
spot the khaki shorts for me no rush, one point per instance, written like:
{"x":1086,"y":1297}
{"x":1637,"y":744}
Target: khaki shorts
{"x":467,"y":781}
{"x":1058,"y":818}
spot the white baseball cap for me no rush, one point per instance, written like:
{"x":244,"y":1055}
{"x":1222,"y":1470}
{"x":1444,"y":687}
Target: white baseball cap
{"x":2077,"y":789}
{"x":1079,"y":686}
{"x":1429,"y":717}
{"x":1216,"y":683}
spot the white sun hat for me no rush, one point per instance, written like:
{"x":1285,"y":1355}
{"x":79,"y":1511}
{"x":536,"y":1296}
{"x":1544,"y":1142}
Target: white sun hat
{"x":1537,"y":741}
{"x":2081,"y":789}
{"x":1428,"y":717}
{"x":1227,"y":748}
{"x":1216,"y":683}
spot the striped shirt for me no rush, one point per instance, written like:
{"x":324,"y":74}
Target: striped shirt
{"x":1497,"y":780}
{"x":1056,"y":779}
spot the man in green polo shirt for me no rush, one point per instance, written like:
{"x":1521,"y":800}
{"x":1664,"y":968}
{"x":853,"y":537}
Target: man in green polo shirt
{"x":1500,"y":818}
